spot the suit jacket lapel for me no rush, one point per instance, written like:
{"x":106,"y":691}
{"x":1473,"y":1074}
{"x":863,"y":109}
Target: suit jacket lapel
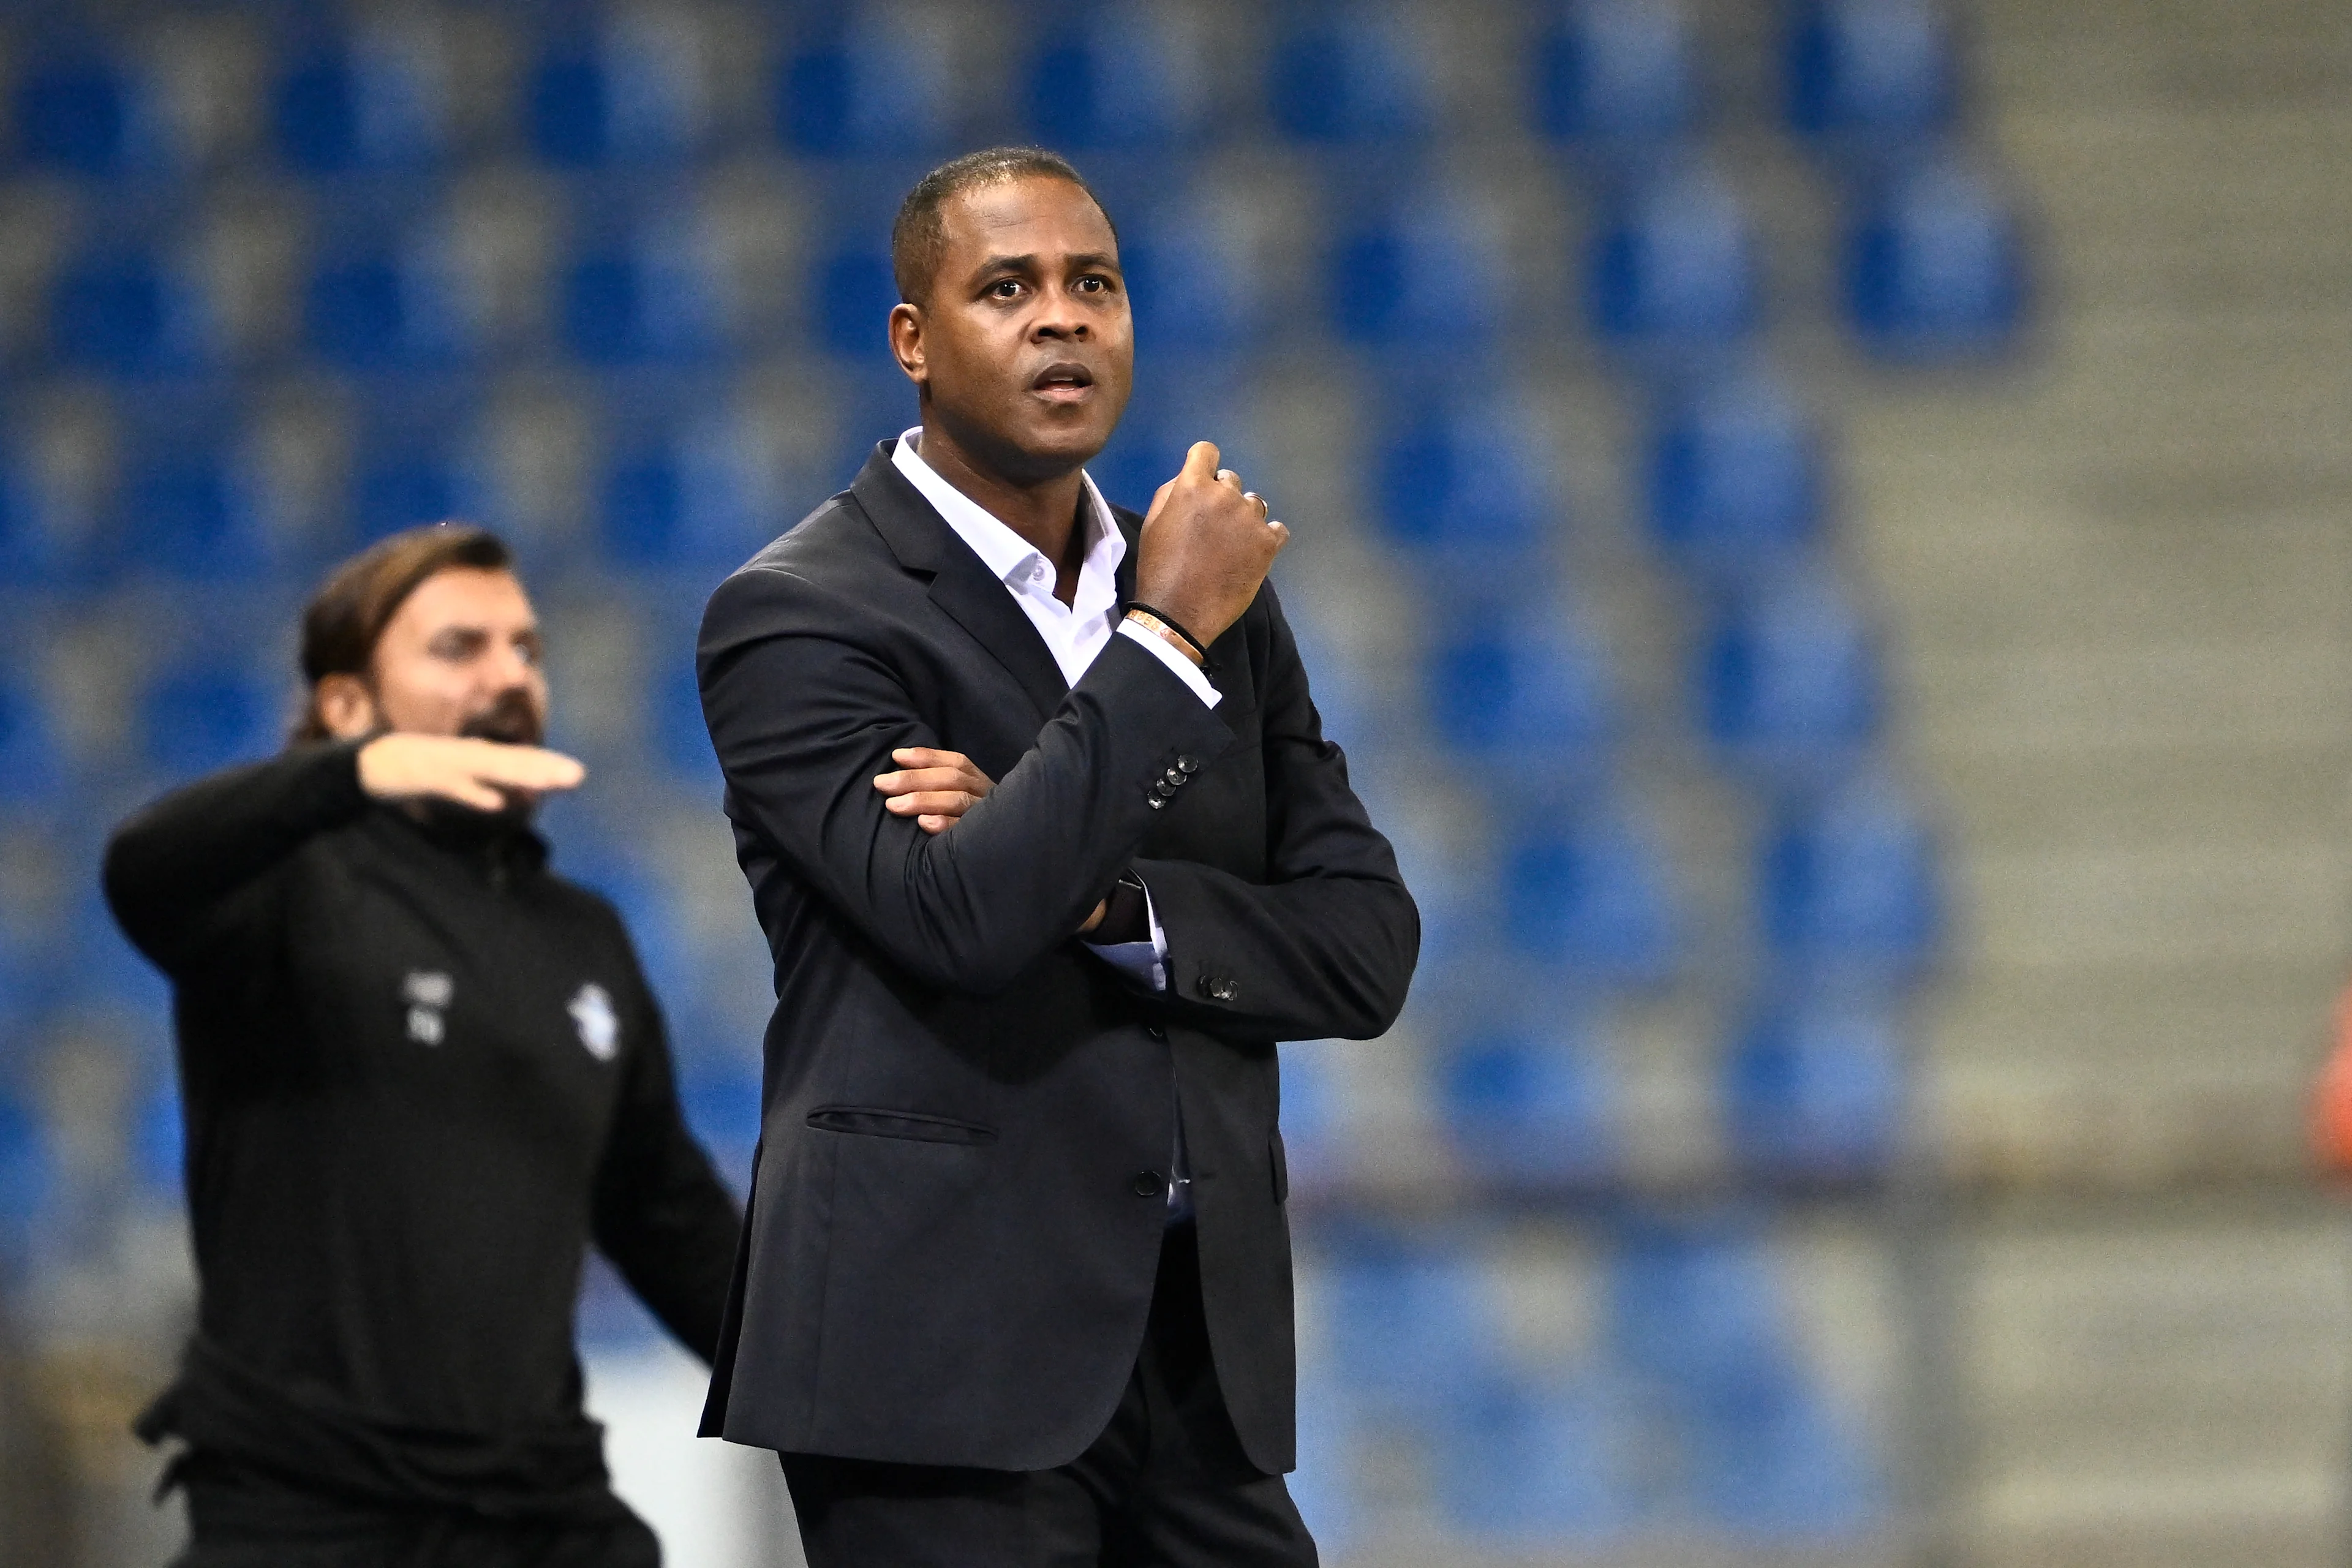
{"x":922,"y":541}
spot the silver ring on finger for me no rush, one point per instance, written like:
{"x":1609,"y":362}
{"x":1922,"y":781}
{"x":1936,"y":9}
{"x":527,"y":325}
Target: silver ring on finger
{"x":1264,"y":511}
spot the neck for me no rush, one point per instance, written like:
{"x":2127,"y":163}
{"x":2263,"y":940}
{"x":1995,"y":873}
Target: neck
{"x":1042,"y":512}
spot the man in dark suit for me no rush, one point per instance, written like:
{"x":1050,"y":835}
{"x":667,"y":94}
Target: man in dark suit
{"x":1014,"y":1289}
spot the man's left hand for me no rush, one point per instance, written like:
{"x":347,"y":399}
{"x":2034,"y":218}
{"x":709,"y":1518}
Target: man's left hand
{"x":934,"y":787}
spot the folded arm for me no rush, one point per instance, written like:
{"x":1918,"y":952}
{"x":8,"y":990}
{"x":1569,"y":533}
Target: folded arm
{"x":1326,"y":946}
{"x":804,"y":713}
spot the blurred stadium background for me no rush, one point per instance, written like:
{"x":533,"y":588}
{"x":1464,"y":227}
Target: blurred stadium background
{"x":1823,"y":525}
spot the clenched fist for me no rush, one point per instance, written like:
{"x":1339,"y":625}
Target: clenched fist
{"x":1205,"y":546}
{"x":480,"y":773}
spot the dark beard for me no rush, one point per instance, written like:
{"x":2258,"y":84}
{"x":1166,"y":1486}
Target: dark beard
{"x":512,"y":719}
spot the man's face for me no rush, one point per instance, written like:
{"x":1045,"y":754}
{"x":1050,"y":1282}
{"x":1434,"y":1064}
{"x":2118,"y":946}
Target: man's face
{"x":1025,"y":349}
{"x":460,"y":657}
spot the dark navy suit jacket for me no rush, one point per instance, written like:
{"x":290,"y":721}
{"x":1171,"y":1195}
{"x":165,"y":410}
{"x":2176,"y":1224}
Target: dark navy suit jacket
{"x":960,"y":1193}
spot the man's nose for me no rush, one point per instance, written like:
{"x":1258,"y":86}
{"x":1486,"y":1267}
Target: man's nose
{"x":1059,"y":315}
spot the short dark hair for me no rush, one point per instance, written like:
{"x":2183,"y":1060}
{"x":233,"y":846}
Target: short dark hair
{"x":346,"y":618}
{"x":919,"y":239}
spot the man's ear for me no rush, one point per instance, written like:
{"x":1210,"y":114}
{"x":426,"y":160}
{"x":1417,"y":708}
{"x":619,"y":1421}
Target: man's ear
{"x":346,"y":706}
{"x":906,"y":340}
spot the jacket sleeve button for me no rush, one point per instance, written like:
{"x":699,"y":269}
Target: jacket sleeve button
{"x":1148,"y":1184}
{"x":1188,"y":764}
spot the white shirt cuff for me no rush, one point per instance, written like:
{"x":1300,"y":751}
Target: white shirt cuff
{"x":1186,"y":670}
{"x":1145,"y":963}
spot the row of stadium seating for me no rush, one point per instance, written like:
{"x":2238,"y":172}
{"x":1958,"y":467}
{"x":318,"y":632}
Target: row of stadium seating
{"x":635,"y":86}
{"x":1731,"y":476}
{"x":1928,"y":264}
{"x":1783,"y":685}
{"x":1691,"y":1406}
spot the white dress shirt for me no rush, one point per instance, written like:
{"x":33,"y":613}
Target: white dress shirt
{"x":1075,"y":634}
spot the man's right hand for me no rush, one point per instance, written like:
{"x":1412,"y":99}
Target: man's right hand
{"x":480,"y":774}
{"x":1205,"y":547}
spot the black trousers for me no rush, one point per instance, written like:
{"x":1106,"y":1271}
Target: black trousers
{"x":240,"y":1522}
{"x":1166,"y":1484}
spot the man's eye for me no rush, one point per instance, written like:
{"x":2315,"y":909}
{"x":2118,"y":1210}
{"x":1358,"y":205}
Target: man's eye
{"x":1006,"y":288}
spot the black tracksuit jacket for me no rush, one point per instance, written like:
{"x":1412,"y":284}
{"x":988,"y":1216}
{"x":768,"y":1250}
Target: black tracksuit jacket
{"x":420,"y":1073}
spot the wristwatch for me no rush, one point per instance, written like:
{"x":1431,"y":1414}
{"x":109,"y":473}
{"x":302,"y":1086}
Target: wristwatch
{"x":1127,"y":912}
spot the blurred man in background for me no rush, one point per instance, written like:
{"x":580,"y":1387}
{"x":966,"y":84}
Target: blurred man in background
{"x":420,"y":1073}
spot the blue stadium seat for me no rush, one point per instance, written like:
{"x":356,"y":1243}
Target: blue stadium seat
{"x":1616,"y":73}
{"x":1934,"y":266}
{"x":1428,"y":274}
{"x":1314,"y":1122}
{"x":209,"y":710}
{"x":1407,"y":1321}
{"x":1773,"y":1466}
{"x":874,"y":89}
{"x":405,"y":473}
{"x":1787,"y":678}
{"x":1593,"y":896}
{"x":1193,"y":292}
{"x":1469,"y":478}
{"x":851,"y":293}
{"x":1323,"y":1487}
{"x":653,"y":295}
{"x":1347,"y":74}
{"x":1874,"y":73}
{"x":1530,"y":688}
{"x":1814,"y":1089}
{"x":1117,"y":79}
{"x":695,"y":499}
{"x":1674,"y":267}
{"x":159,"y":1138}
{"x":28,"y":1179}
{"x":32,"y":764}
{"x":376,"y":101}
{"x":723,"y":1111}
{"x":630,"y":92}
{"x":1531,"y":1106}
{"x":81,"y":112}
{"x":40,"y":545}
{"x":404,"y":305}
{"x":197,"y":508}
{"x":1851,"y":884}
{"x":674,"y":717}
{"x":1736,"y":477}
{"x":130,"y":309}
{"x":1537,"y":1463}
{"x":1695,"y":1306}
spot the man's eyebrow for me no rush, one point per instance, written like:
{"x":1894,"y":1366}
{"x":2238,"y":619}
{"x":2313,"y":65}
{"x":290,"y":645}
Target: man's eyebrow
{"x":1005,"y":264}
{"x":1095,"y":258}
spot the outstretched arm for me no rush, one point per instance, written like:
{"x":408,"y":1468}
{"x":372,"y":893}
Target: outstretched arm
{"x":188,"y":869}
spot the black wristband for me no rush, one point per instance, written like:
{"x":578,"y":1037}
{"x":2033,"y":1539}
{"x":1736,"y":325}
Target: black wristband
{"x":1200,"y":649}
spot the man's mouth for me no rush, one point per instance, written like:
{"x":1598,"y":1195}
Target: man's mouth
{"x":1064,"y":381}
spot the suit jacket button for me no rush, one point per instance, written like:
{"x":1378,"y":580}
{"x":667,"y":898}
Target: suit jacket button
{"x":1162,"y":788}
{"x":1155,"y":803}
{"x":1188,"y":764}
{"x":1216,"y":988}
{"x":1172,"y":777}
{"x":1148,"y":1184}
